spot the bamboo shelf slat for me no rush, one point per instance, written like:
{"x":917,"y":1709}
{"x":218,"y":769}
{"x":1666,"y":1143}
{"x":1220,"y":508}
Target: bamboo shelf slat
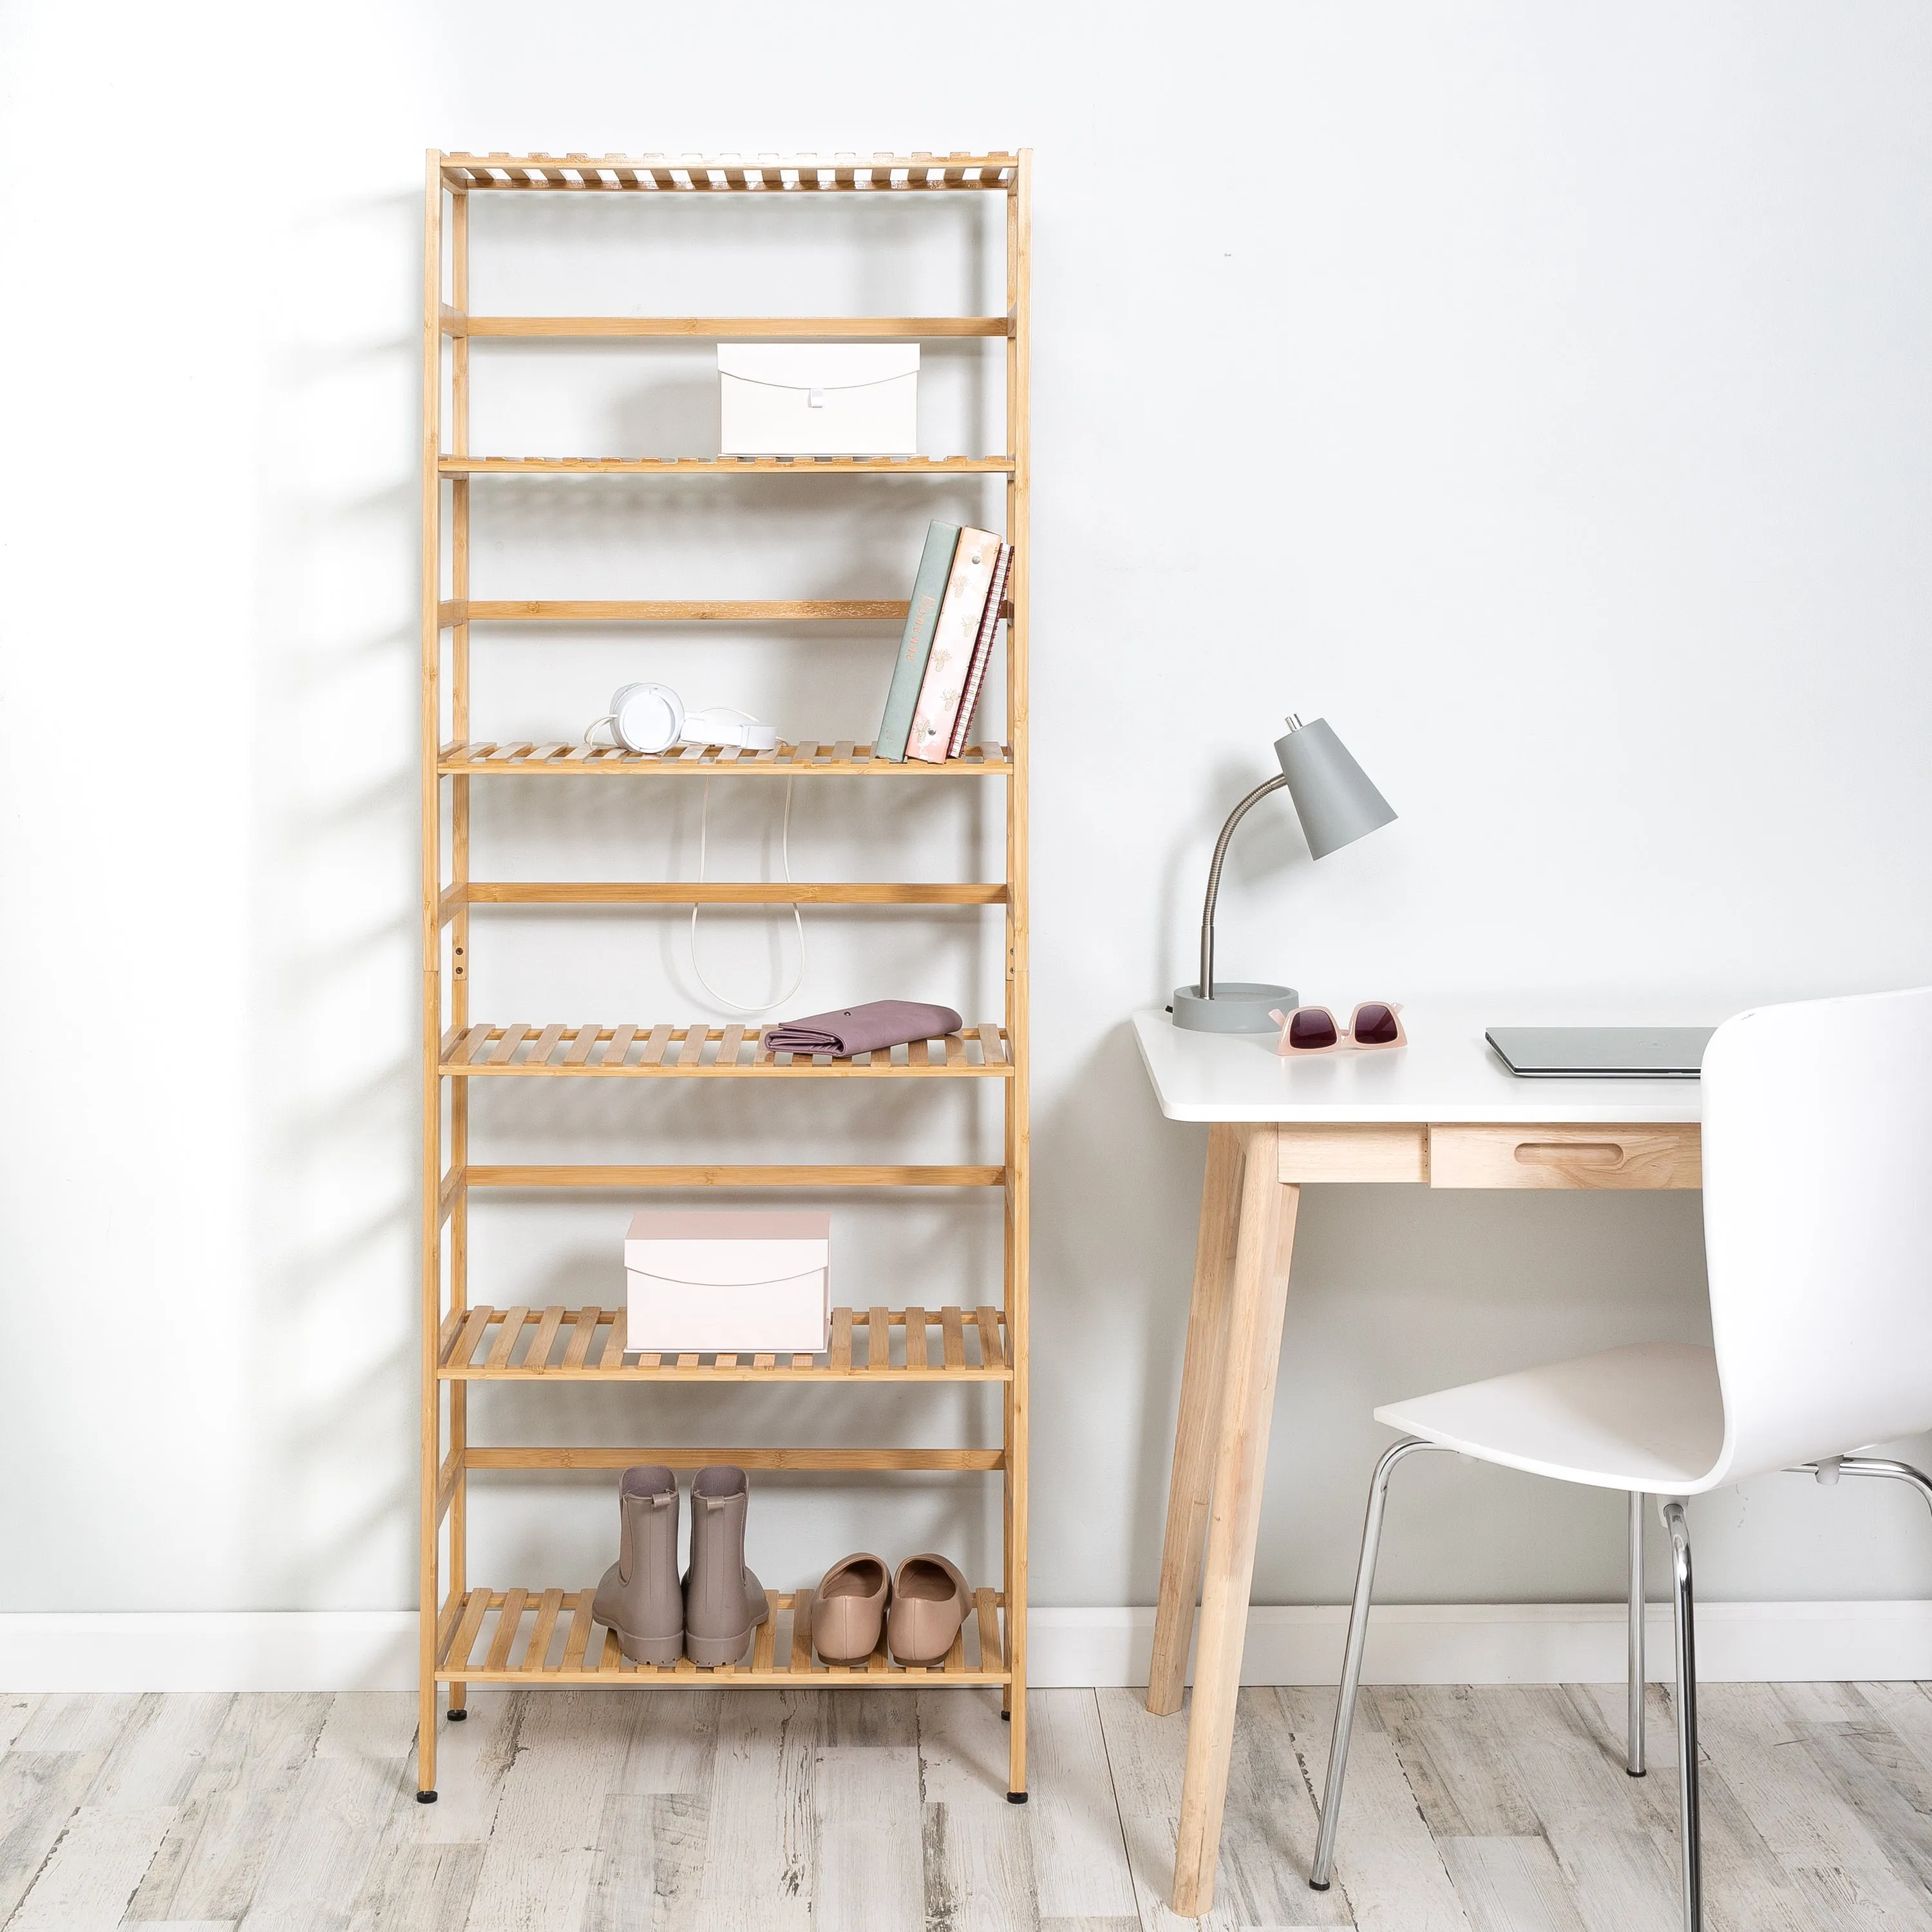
{"x":787,"y":1457}
{"x":558,"y":1344}
{"x":697,"y":1051}
{"x":662,"y":610}
{"x":724,"y":466}
{"x":693,"y":174}
{"x":684,"y":611}
{"x":726,"y":328}
{"x":530,"y":757}
{"x":721,"y":892}
{"x":548,"y":1636}
{"x":718,"y":1174}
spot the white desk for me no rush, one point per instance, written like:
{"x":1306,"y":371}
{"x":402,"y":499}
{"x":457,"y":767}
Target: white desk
{"x":1442,"y":1111}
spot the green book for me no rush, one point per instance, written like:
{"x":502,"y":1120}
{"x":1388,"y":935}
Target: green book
{"x":928,"y":592}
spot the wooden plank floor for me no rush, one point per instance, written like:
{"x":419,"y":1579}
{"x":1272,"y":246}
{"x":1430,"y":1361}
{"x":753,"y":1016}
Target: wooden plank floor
{"x":1480,"y":1810}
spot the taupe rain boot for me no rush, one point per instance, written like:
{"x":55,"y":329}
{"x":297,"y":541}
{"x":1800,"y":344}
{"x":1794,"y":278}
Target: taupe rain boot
{"x":724,"y":1603}
{"x":639,"y":1597}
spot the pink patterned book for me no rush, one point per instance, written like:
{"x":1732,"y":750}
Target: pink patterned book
{"x":964,"y":603}
{"x":982,"y":650}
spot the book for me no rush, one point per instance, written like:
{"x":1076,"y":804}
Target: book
{"x":953,"y":640}
{"x":929,"y":592}
{"x":982,"y":650}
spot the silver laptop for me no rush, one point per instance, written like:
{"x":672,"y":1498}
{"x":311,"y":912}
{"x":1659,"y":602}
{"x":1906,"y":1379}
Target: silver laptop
{"x":1601,"y":1053}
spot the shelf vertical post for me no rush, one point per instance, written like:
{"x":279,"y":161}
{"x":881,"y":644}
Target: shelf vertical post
{"x":459,"y":872}
{"x":1019,"y":243}
{"x":432,"y":946}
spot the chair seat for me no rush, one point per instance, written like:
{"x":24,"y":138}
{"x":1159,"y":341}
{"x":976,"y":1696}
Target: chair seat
{"x":1648,"y":1417}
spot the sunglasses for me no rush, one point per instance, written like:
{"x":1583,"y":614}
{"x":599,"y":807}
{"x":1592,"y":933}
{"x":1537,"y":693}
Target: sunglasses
{"x":1312,"y":1029}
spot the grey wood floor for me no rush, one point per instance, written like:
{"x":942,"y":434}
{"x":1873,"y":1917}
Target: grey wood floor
{"x":593,"y":1811}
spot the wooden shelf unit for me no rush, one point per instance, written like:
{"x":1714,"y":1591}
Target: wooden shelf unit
{"x":472,"y":1634}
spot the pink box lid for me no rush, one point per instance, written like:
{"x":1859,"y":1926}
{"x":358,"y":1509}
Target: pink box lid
{"x":729,"y":1224}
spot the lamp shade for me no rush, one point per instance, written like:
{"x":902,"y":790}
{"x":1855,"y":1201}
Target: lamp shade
{"x":1333,"y":796}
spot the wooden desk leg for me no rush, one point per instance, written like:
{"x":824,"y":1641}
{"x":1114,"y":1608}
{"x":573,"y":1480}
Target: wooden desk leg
{"x":1255,"y":1309}
{"x":1190,"y":1485}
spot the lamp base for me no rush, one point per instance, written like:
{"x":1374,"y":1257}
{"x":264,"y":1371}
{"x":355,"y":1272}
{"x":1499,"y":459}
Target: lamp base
{"x":1239,"y":1006}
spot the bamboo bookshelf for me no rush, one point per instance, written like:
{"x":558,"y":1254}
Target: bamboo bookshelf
{"x":471,"y":1634}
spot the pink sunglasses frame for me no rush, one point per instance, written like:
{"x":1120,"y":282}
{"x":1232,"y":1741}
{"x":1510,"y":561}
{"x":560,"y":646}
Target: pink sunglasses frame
{"x":1344,"y":1040}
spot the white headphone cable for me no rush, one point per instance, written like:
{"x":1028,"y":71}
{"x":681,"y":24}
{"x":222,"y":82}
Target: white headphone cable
{"x":798,"y":915}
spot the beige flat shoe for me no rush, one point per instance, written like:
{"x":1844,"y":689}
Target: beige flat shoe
{"x":849,"y":1609}
{"x":930,"y":1600}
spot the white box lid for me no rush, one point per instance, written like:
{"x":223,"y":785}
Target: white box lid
{"x":818,"y":365}
{"x":726,"y":1248}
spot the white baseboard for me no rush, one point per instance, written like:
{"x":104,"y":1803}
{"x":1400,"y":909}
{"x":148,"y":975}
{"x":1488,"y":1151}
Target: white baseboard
{"x":1510,"y":1643}
{"x":1408,"y":1643}
{"x":209,"y":1650}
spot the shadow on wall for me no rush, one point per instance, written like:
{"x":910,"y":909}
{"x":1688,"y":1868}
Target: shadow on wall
{"x":328,"y":1500}
{"x":1115,"y":1190}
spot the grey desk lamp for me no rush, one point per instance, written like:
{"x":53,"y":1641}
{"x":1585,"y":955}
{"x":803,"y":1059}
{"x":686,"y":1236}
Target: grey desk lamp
{"x":1337,"y":805}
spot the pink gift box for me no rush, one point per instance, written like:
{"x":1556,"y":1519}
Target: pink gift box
{"x":728,"y":1282}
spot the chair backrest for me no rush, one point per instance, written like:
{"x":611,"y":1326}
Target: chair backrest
{"x":1818,"y":1226}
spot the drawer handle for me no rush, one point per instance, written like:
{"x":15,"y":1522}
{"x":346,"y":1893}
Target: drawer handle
{"x":1587,"y":1153}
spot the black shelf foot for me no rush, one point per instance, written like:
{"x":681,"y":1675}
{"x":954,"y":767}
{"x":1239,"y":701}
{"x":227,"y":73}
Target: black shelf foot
{"x":457,"y":1717}
{"x":1016,"y":1797}
{"x":425,"y":1797}
{"x":1313,"y":1887}
{"x":1006,"y":1717}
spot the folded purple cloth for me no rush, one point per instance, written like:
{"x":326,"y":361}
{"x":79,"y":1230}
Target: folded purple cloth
{"x":863,"y":1029}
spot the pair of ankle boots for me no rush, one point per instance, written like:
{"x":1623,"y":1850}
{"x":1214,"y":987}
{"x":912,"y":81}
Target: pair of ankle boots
{"x":709,"y":1614}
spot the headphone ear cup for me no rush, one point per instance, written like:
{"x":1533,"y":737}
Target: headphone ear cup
{"x":648,"y":717}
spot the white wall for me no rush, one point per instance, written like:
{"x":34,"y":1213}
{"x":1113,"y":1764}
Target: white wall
{"x":1540,"y":394}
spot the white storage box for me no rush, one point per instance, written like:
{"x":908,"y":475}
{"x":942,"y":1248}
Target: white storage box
{"x":818,"y":398}
{"x":729,"y":1282}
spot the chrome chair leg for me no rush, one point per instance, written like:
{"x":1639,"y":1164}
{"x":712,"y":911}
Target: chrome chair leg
{"x":1833,"y":1467}
{"x":1634,"y":1763}
{"x":1352,"y":1657}
{"x":1681,"y":1606}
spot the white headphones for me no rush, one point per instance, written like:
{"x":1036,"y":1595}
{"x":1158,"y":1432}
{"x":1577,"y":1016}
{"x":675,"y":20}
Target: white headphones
{"x":650,"y":718}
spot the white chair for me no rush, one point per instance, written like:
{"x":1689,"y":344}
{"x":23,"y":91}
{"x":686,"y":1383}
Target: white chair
{"x":1818,"y":1242}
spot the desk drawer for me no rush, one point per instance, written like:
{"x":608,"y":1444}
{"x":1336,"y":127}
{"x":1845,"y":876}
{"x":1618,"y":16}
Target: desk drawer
{"x":1565,"y":1157}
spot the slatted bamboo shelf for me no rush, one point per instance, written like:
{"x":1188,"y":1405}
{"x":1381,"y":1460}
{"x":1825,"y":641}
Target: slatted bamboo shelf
{"x":726,"y":466}
{"x":486,"y":1344}
{"x":641,"y":1051}
{"x":471,"y":1635}
{"x":532,"y":1637}
{"x":529,"y":758}
{"x":691,"y":174}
